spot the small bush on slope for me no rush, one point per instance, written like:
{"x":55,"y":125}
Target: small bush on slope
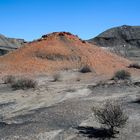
{"x":56,"y":77}
{"x":85,"y":69}
{"x":134,"y":65}
{"x":23,"y":83}
{"x":121,"y":75}
{"x":9,"y":79}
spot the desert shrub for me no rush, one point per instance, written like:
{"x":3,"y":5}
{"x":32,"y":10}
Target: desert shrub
{"x":111,"y":115}
{"x":134,"y":65}
{"x":83,"y":41}
{"x":56,"y":77}
{"x":78,"y":79}
{"x":85,"y":69}
{"x":121,"y":75}
{"x":41,"y":55}
{"x":23,"y":83}
{"x":61,"y":34}
{"x":71,"y":90}
{"x":9,"y":79}
{"x":44,"y":36}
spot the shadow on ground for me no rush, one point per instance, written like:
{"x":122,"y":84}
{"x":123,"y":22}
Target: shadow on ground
{"x":91,"y":132}
{"x":137,"y":101}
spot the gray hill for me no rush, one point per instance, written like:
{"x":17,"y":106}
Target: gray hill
{"x":119,"y":36}
{"x":123,"y":40}
{"x":9,"y":44}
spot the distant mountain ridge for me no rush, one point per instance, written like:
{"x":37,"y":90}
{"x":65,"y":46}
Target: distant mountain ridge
{"x":123,"y":40}
{"x":119,"y":36}
{"x":9,"y":44}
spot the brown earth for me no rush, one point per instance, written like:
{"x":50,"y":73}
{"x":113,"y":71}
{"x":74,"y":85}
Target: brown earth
{"x":60,"y":51}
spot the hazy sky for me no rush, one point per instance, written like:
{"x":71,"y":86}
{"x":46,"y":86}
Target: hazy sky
{"x":29,"y":19}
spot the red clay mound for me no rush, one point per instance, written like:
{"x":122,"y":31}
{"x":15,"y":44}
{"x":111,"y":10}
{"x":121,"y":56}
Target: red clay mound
{"x":58,"y":51}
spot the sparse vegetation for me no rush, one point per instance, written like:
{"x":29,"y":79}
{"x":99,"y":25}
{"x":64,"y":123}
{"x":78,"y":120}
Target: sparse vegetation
{"x":83,"y":41}
{"x":41,"y":55}
{"x":70,"y":90}
{"x":111,"y":115}
{"x":23,"y":83}
{"x":9,"y":79}
{"x":78,"y":79}
{"x":134,"y":65}
{"x":122,"y":75}
{"x":85,"y":69}
{"x":19,"y":82}
{"x":56,"y":77}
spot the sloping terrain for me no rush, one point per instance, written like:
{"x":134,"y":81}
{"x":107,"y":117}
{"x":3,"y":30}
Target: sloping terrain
{"x":124,"y":40}
{"x":59,"y":51}
{"x":9,"y":44}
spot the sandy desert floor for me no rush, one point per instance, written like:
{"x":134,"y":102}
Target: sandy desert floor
{"x":62,"y":110}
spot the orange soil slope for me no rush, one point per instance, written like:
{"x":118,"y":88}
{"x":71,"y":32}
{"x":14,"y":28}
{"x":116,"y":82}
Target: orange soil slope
{"x":58,"y":51}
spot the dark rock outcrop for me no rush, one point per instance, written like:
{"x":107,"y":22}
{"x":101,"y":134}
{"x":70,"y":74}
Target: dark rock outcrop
{"x":9,"y":44}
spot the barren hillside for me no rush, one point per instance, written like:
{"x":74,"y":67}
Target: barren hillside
{"x":58,"y":51}
{"x":123,"y":40}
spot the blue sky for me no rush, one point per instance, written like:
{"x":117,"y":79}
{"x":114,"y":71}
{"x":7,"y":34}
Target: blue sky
{"x":29,"y":19}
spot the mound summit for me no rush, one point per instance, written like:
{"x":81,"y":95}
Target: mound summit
{"x":59,"y":51}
